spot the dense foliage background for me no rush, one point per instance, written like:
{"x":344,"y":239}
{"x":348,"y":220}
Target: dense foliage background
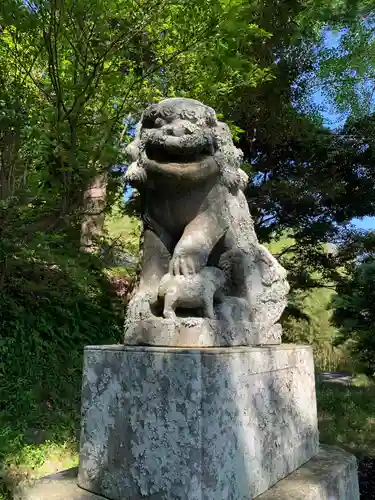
{"x":74,"y":77}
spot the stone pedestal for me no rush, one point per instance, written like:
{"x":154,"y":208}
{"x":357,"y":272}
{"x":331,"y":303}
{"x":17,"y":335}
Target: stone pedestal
{"x":189,"y":424}
{"x":200,"y":332}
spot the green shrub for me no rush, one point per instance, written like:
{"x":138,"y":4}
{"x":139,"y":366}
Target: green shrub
{"x":54,"y":300}
{"x":354,"y":314}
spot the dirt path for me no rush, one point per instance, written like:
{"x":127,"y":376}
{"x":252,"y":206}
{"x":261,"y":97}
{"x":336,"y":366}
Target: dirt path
{"x":343,"y":378}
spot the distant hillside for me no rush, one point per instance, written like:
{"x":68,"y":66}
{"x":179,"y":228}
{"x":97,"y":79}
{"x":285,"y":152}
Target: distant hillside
{"x":122,"y":227}
{"x":123,"y":233}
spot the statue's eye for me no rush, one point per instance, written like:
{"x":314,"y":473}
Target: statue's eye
{"x":211,"y":119}
{"x":148,"y":122}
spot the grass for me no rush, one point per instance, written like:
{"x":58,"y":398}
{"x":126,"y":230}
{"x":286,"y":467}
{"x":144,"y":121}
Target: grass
{"x":347,"y":415}
{"x":33,"y":461}
{"x":48,"y":314}
{"x":122,"y":226}
{"x":125,"y":230}
{"x":40,"y":393}
{"x":39,"y":433}
{"x":30,"y":451}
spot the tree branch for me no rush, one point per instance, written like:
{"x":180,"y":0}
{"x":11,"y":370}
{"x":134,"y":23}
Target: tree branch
{"x":27,"y":71}
{"x":118,"y":40}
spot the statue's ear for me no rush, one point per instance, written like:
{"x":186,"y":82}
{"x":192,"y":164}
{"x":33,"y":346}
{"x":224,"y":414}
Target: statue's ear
{"x":132,"y":150}
{"x":211,"y":119}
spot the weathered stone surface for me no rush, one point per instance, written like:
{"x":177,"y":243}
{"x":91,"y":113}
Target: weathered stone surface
{"x":201,"y":256}
{"x":331,"y":475}
{"x":200,"y":332}
{"x":189,"y":424}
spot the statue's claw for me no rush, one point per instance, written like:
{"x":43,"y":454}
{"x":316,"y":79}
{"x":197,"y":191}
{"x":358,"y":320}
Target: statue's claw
{"x":183,"y":265}
{"x":135,"y":174}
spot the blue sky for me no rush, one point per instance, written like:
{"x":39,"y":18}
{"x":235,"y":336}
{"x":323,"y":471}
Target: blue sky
{"x":365,"y":223}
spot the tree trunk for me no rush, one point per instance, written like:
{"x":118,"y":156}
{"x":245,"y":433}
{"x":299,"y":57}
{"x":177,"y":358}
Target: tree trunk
{"x":93,"y":212}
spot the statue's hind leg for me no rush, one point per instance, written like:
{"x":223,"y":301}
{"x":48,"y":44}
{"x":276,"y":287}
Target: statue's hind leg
{"x":208,"y":309}
{"x":170,"y":304}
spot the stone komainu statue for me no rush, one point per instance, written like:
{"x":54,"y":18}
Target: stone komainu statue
{"x":196,"y":219}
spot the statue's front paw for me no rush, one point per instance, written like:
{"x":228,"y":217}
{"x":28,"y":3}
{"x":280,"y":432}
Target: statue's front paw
{"x":265,"y":256}
{"x":183,"y":264}
{"x":169,"y":314}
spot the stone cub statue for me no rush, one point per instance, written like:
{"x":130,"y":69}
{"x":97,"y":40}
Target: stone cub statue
{"x":195,"y":291}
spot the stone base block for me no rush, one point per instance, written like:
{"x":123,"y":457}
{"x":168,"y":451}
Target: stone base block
{"x":199,"y":332}
{"x":187,"y":424}
{"x":331,"y":475}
